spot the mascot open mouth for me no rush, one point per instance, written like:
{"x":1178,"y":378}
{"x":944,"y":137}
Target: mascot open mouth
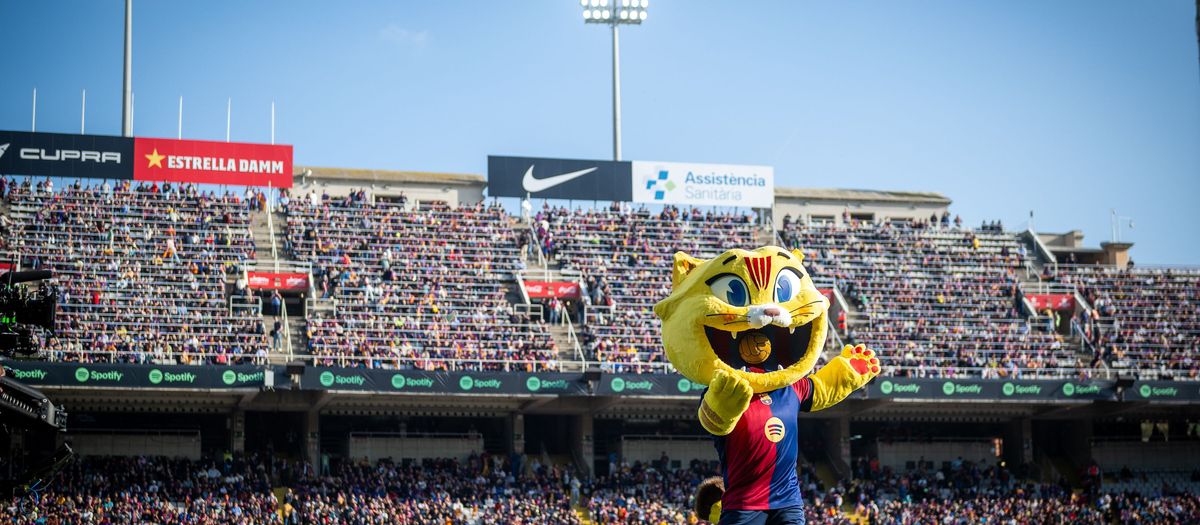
{"x":765,"y":349}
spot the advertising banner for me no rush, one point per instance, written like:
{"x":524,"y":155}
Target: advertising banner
{"x":546,"y":289}
{"x":62,"y":155}
{"x":668,"y":385}
{"x":422,"y":381}
{"x":1163,"y":391}
{"x":148,"y":159}
{"x":703,"y":184}
{"x":989,"y":390}
{"x":589,"y":180}
{"x":211,"y":377}
{"x":277,"y":281}
{"x":206,"y":162}
{"x":1053,"y":301}
{"x":39,"y":373}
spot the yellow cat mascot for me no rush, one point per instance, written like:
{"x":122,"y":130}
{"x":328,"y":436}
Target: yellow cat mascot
{"x":751,"y":325}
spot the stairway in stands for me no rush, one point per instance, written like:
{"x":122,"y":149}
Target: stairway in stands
{"x":540,"y":269}
{"x":1031,"y":282}
{"x":265,"y":258}
{"x":585,"y":516}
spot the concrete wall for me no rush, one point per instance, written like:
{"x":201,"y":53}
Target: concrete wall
{"x":683,"y":450}
{"x":133,"y":444}
{"x":801,"y":209}
{"x":1153,"y":456}
{"x":454,"y":194}
{"x":377,"y":447}
{"x":897,"y":454}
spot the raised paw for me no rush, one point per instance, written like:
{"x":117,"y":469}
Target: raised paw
{"x":862,"y":360}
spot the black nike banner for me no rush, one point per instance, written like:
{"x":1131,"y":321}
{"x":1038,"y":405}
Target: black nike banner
{"x":587,"y":180}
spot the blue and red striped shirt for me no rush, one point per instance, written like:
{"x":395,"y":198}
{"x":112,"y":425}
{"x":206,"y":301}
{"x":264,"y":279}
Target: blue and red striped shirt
{"x":758,"y":459}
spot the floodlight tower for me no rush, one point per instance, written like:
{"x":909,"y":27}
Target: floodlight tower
{"x":615,"y":13}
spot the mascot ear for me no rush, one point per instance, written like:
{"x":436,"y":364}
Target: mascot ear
{"x":799,"y":254}
{"x":684,"y":264}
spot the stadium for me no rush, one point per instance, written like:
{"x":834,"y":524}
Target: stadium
{"x":209,"y":332}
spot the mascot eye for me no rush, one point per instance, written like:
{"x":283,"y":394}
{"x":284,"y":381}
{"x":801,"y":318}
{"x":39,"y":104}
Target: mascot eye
{"x":787,"y":285}
{"x":731,"y":289}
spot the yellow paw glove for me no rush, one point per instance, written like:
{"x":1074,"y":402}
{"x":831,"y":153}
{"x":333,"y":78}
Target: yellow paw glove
{"x":723,"y":404}
{"x":843,"y":375}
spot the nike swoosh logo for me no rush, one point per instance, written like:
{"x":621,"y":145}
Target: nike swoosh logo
{"x":533,"y":185}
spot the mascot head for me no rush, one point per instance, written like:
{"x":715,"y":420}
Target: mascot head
{"x":755,"y":314}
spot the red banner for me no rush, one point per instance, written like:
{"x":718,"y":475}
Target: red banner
{"x":828,"y":293}
{"x":278,"y":281}
{"x":547,"y":289}
{"x":205,"y":162}
{"x":1053,"y":301}
{"x":4,"y":267}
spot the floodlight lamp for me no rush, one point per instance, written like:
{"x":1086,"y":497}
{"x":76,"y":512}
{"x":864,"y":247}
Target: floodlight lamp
{"x":603,"y":3}
{"x":595,"y":3}
{"x":587,"y":13}
{"x":583,"y":3}
{"x":642,"y":15}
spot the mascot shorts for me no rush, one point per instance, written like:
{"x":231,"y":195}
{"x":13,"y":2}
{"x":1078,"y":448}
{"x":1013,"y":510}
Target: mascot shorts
{"x":788,"y":516}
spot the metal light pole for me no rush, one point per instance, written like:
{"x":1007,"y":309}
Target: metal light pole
{"x":615,"y":13}
{"x":127,"y":102}
{"x":1117,"y":222}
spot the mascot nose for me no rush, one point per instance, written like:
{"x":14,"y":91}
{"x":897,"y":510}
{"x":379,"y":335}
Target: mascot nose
{"x":771,"y":311}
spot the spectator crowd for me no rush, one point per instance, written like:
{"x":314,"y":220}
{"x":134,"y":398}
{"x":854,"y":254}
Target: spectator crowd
{"x":141,"y":269}
{"x":939,"y":301}
{"x":414,"y":288}
{"x":487,"y":489}
{"x":1144,"y":320}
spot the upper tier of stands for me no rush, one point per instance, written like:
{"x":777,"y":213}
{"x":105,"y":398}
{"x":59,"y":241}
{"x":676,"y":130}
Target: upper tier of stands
{"x":141,"y":269}
{"x":414,"y":288}
{"x":1146,"y":320}
{"x":625,"y":258}
{"x":938,"y":302}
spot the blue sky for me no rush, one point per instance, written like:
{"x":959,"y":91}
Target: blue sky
{"x":1068,"y":108}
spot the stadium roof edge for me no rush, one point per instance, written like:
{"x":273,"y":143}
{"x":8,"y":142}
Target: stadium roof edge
{"x":862,"y":195}
{"x":388,"y":176}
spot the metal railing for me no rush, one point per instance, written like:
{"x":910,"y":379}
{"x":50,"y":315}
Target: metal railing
{"x":522,"y":365}
{"x":287,"y":331}
{"x":244,"y":302}
{"x":571,"y":337}
{"x":436,"y":364}
{"x":530,"y":309}
{"x":278,"y":266}
{"x":593,"y":313}
{"x":318,"y":304}
{"x":1047,"y":287}
{"x":174,"y":358}
{"x":537,"y":248}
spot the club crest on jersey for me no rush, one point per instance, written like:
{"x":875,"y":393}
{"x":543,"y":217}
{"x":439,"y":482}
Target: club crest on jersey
{"x":774,"y":430}
{"x":765,"y":398}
